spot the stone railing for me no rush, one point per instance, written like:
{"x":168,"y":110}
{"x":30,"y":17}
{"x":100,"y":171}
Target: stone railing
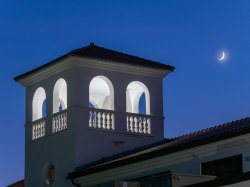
{"x":59,"y":122}
{"x":138,"y":123}
{"x":101,"y":119}
{"x":38,"y":129}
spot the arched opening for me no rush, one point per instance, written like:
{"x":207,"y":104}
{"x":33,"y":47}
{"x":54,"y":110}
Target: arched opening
{"x":44,"y":108}
{"x":39,"y":104}
{"x":142,"y":104}
{"x":137,"y":98}
{"x":101,"y":93}
{"x":60,"y":96}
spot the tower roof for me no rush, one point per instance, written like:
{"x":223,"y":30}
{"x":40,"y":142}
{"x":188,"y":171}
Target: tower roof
{"x":96,"y":52}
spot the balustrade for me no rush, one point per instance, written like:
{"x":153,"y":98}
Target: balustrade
{"x":38,"y":130}
{"x":137,"y":123}
{"x":101,"y":119}
{"x":59,"y":122}
{"x":98,"y":119}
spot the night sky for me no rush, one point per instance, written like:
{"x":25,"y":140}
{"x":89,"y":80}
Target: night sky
{"x":186,"y":34}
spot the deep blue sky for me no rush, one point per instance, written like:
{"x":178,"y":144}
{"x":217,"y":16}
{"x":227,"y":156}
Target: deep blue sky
{"x":185,"y":34}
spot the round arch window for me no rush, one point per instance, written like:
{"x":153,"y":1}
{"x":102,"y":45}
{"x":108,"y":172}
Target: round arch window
{"x":49,"y":174}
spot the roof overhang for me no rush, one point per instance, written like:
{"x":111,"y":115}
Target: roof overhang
{"x":69,"y":61}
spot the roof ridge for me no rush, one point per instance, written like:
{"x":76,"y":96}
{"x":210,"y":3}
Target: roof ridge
{"x":92,"y":44}
{"x":209,"y":129}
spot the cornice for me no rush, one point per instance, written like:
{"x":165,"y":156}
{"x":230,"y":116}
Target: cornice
{"x":74,"y":61}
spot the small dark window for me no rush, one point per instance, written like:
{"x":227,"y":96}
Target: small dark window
{"x":223,"y":168}
{"x":49,"y":174}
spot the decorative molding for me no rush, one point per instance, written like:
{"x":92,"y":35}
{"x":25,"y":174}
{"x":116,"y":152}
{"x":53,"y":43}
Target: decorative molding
{"x":73,"y":61}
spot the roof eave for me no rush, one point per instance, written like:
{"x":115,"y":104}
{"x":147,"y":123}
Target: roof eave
{"x":157,"y":153}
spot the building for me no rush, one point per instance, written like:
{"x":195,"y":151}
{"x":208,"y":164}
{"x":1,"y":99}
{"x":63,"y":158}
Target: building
{"x":94,"y":117}
{"x":17,"y":184}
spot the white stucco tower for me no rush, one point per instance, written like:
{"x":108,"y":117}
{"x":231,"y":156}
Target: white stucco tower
{"x":87,"y":105}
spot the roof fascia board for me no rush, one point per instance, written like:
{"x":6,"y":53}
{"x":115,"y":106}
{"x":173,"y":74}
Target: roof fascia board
{"x":163,"y":161}
{"x":73,"y":61}
{"x":41,"y":74}
{"x":122,"y":67}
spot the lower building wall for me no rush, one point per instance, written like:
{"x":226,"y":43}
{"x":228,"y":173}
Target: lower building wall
{"x":187,"y":161}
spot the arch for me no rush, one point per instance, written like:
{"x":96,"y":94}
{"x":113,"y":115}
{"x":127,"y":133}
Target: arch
{"x":134,"y":92}
{"x":38,"y":103}
{"x":60,"y":95}
{"x":101,"y":93}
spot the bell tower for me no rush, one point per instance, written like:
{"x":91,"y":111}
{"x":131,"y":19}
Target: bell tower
{"x":87,"y":105}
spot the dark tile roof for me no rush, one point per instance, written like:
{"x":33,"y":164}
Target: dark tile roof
{"x":17,"y":184}
{"x":180,"y":143}
{"x":95,"y":52}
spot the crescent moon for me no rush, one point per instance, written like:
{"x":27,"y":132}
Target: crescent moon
{"x":222,"y":57}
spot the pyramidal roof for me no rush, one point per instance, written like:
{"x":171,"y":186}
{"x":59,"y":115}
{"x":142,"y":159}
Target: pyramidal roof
{"x":96,"y":52}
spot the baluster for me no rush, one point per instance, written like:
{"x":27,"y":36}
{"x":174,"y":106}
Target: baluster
{"x":56,"y":123}
{"x":54,"y":130}
{"x":99,"y":120}
{"x":112,"y":121}
{"x":135,"y":122}
{"x":108,"y":120}
{"x":34,"y":131}
{"x":53,"y":124}
{"x":62,"y":121}
{"x":43,"y":128}
{"x":131,"y":124}
{"x":149,"y":125}
{"x":140,"y":124}
{"x":144,"y":125}
{"x":90,"y":118}
{"x":128,"y":122}
{"x":59,"y":123}
{"x":38,"y":130}
{"x":65,"y":121}
{"x":95,"y":119}
{"x":104,"y":120}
